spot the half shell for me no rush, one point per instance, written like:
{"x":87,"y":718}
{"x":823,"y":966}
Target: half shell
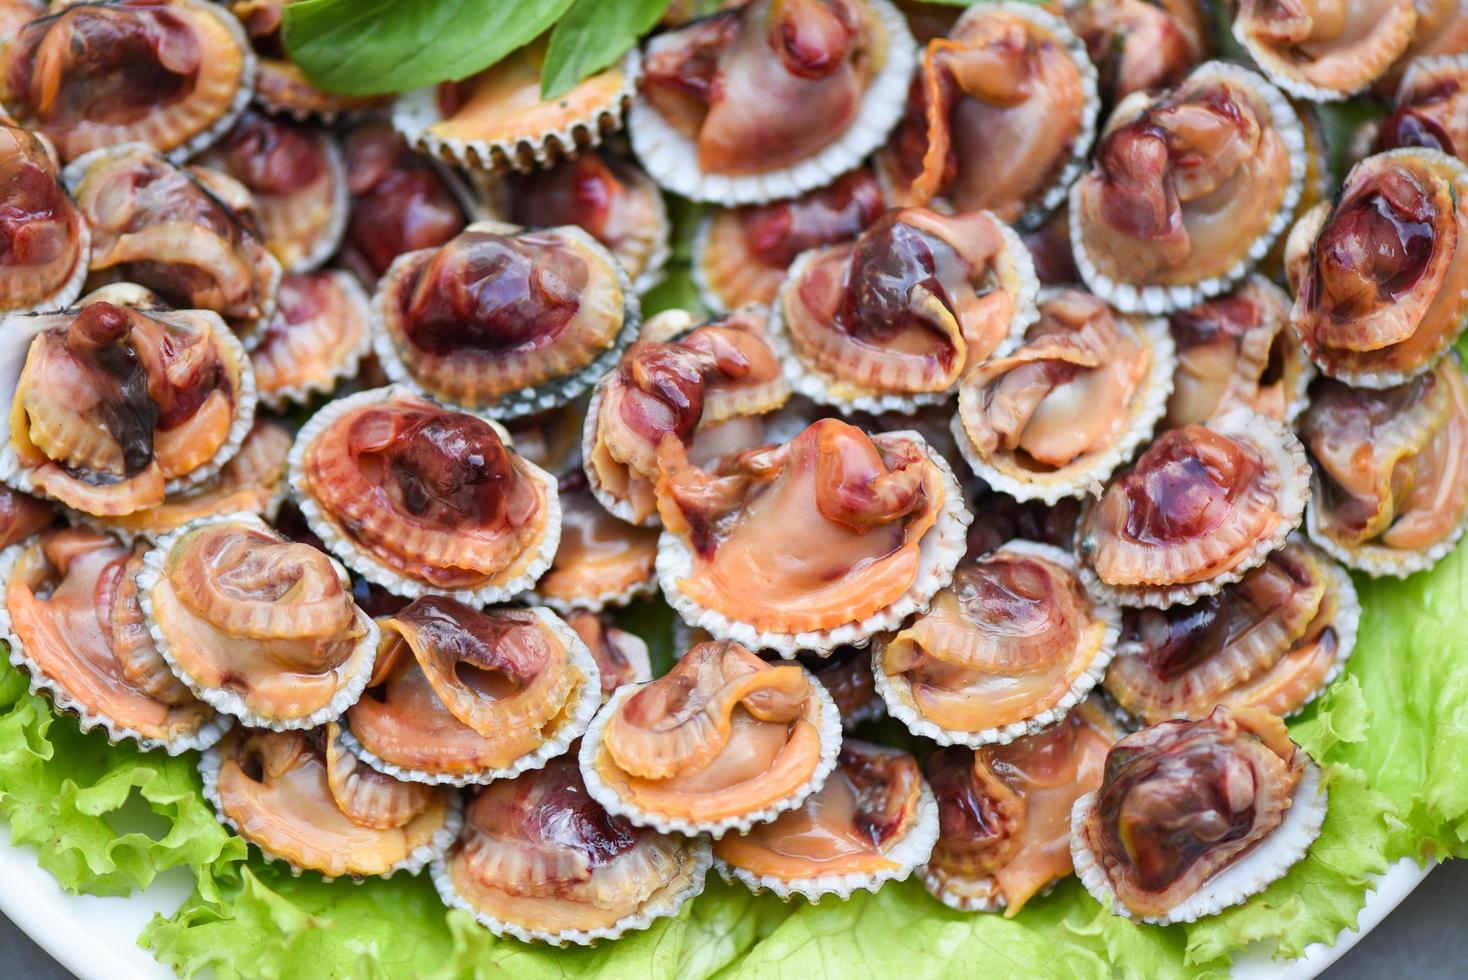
{"x":1324,"y":53}
{"x":1005,"y":651}
{"x":50,"y":243}
{"x":317,"y":338}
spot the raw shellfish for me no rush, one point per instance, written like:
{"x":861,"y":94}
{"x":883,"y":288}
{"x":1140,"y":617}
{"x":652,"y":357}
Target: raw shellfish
{"x":872,"y":821}
{"x":894,"y":319}
{"x":317,"y":337}
{"x":770,"y":99}
{"x":824,"y":540}
{"x":1324,"y":51}
{"x":1195,"y":816}
{"x":47,"y":241}
{"x":504,"y":319}
{"x":621,"y":657}
{"x":301,"y":798}
{"x":1056,"y":415}
{"x":1004,"y":811}
{"x":1201,"y":506}
{"x":422,"y":499}
{"x":257,"y":626}
{"x":1391,"y":470}
{"x":1188,"y":190}
{"x":1006,"y":650}
{"x":1273,"y":640}
{"x":540,"y":860}
{"x":70,"y":616}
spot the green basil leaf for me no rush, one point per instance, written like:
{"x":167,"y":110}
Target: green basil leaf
{"x":368,"y":47}
{"x":592,"y":35}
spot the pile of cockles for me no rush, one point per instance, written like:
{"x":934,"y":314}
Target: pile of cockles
{"x":1004,"y":487}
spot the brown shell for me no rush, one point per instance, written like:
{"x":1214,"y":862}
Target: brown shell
{"x":539,"y":859}
{"x":22,"y":515}
{"x":458,"y":694}
{"x":1187,"y":190}
{"x":608,"y":195}
{"x":1000,"y":116}
{"x":553,"y":305}
{"x":601,"y":560}
{"x":621,"y":657}
{"x":1005,"y":650}
{"x":681,"y":386}
{"x":181,"y":232}
{"x":389,"y":481}
{"x":1430,"y":108}
{"x":61,"y":596}
{"x":849,"y":828}
{"x":113,"y":406}
{"x":1324,"y":53}
{"x":1004,"y":811}
{"x":1237,"y":351}
{"x":1194,"y":797}
{"x":742,"y":254}
{"x":260,"y":627}
{"x":1391,"y":470}
{"x":297,"y":183}
{"x":300,"y":798}
{"x":316,"y":338}
{"x":1201,"y":506}
{"x":1139,"y":46}
{"x":1272,"y":640}
{"x":908,"y":307}
{"x":822,"y":531}
{"x":171,"y":73}
{"x":49,"y":243}
{"x":252,"y":482}
{"x":724,"y":737}
{"x":1055,"y":415}
{"x":1376,"y":321}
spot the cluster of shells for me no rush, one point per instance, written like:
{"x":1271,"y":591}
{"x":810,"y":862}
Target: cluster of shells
{"x":1051,"y":389}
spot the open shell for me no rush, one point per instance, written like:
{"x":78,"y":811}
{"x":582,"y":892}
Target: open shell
{"x":297,"y":181}
{"x":1124,"y":369}
{"x":1003,"y":646}
{"x":601,"y":561}
{"x":280,"y":85}
{"x":851,"y":338}
{"x":1391,"y":463}
{"x":671,"y":156}
{"x":1139,"y":46}
{"x":937,"y":551}
{"x":468,"y":580}
{"x":595,"y":323}
{"x":1264,"y":859}
{"x":695,"y":382}
{"x":1238,"y":351}
{"x":533,"y":133}
{"x":1256,"y":462}
{"x":187,"y":233}
{"x":227,"y":611}
{"x":621,"y":657}
{"x":741,"y":255}
{"x":543,"y":824}
{"x":553,"y":725}
{"x":319,"y":334}
{"x":1004,"y":811}
{"x":1275,"y":640}
{"x":1353,"y":331}
{"x":224,"y":416}
{"x":606,"y":194}
{"x":22,"y":515}
{"x":90,"y":683}
{"x":38,"y":212}
{"x":758,"y":859}
{"x":253,"y":481}
{"x":306,"y":827}
{"x":1345,"y":52}
{"x":1430,"y":108}
{"x":1275,"y":164}
{"x":751,"y":698}
{"x":1009,"y":133}
{"x":217,"y":85}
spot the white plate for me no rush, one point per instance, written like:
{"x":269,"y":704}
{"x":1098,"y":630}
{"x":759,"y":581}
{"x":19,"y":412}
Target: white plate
{"x":96,"y":938}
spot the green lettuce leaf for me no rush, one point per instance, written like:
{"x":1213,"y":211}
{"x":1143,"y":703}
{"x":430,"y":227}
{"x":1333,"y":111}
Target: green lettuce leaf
{"x":102,"y":819}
